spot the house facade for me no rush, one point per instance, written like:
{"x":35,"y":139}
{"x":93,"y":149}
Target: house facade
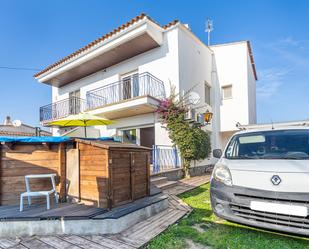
{"x":123,"y":75}
{"x":15,"y":128}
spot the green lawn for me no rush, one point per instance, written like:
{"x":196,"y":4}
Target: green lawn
{"x":218,"y":233}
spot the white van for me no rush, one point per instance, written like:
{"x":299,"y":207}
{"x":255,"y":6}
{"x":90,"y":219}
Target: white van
{"x":262,"y":180}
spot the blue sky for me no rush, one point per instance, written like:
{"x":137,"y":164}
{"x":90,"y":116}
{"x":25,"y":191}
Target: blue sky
{"x":36,"y":33}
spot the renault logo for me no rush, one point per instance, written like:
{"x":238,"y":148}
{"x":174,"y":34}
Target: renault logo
{"x":276,"y":180}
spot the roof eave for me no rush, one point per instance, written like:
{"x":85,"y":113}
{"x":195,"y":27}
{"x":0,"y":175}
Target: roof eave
{"x":252,"y":60}
{"x":143,"y":26}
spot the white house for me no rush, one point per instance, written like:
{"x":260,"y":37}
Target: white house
{"x":121,"y":76}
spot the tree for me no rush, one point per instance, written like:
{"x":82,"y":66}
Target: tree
{"x":192,"y":142}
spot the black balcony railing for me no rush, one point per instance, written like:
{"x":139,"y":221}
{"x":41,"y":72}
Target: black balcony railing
{"x":62,"y":109}
{"x":137,"y":85}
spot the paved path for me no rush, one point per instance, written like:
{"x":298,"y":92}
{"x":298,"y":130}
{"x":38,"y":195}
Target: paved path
{"x":134,"y":237}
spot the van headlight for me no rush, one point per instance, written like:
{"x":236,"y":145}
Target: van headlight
{"x":222,"y":174}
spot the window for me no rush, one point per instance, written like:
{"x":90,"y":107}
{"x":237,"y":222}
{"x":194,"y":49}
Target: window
{"x":129,"y":136}
{"x":227,"y":92}
{"x":207,"y":94}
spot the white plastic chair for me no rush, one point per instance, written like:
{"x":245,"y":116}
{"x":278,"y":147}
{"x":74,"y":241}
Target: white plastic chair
{"x":30,"y":193}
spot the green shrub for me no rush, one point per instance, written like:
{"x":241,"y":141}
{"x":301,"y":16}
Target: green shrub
{"x":192,"y":142}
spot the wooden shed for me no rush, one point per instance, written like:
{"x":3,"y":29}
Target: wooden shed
{"x":104,"y":174}
{"x":109,"y":173}
{"x":22,"y":158}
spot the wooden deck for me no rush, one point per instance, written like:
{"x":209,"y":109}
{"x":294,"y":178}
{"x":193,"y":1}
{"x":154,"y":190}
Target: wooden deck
{"x":58,"y":211}
{"x":135,"y":237}
{"x":71,"y":211}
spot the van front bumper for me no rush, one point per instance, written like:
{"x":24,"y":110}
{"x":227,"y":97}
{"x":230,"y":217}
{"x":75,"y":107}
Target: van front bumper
{"x":232,"y":203}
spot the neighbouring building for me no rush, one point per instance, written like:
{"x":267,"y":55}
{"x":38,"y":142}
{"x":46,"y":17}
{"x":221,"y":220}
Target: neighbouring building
{"x":122,"y":75}
{"x":17,"y":129}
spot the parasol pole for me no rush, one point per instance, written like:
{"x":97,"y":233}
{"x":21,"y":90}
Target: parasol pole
{"x":85,"y":128}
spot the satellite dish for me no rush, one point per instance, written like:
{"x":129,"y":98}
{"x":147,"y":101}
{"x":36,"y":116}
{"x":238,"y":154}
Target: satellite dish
{"x":194,"y":98}
{"x":17,"y":123}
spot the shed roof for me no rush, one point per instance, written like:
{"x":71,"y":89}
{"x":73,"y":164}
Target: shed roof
{"x":110,"y":144}
{"x":33,"y":139}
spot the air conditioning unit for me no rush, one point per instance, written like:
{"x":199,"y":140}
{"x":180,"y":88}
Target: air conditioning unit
{"x":190,"y":115}
{"x":200,"y":118}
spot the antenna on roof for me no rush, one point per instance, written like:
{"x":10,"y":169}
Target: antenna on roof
{"x":272,"y":125}
{"x":16,"y":123}
{"x":209,"y":27}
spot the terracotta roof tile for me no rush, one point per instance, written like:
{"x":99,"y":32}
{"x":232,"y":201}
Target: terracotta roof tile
{"x":23,"y":130}
{"x":252,"y":60}
{"x":21,"y":134}
{"x":170,"y":24}
{"x":102,"y":38}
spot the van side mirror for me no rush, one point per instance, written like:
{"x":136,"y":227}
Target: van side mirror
{"x":217,"y":153}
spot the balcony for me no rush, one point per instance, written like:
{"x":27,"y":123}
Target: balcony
{"x":133,"y":95}
{"x":62,"y":109}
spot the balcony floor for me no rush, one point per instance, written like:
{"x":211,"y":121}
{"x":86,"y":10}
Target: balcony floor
{"x":127,"y":108}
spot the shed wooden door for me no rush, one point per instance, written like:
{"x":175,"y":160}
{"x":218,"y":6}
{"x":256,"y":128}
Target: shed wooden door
{"x":120,"y":177}
{"x":129,"y":176}
{"x":139,"y":175}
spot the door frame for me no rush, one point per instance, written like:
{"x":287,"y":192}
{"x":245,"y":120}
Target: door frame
{"x":126,"y":77}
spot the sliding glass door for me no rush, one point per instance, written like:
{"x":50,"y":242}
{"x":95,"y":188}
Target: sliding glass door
{"x":130,"y":86}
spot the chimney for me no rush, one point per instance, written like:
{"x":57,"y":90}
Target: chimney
{"x":8,"y":121}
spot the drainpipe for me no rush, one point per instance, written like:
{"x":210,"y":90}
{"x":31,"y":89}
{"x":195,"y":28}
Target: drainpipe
{"x":216,"y":104}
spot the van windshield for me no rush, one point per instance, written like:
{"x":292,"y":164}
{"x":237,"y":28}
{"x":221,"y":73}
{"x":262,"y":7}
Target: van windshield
{"x":280,"y":144}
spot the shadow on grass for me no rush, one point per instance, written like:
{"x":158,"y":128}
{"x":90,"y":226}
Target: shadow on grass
{"x":237,"y":236}
{"x":196,"y":191}
{"x":265,"y":231}
{"x":231,"y":235}
{"x":203,"y":227}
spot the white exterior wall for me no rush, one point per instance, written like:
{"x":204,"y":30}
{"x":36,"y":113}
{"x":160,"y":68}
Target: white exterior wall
{"x":185,"y":62}
{"x":139,"y":121}
{"x":225,"y":137}
{"x":195,"y":63}
{"x":162,"y":62}
{"x":196,"y":68}
{"x":234,"y":68}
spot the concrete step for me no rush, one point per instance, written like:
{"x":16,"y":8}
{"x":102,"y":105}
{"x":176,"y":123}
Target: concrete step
{"x":167,"y":185}
{"x":154,"y":190}
{"x":158,"y":180}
